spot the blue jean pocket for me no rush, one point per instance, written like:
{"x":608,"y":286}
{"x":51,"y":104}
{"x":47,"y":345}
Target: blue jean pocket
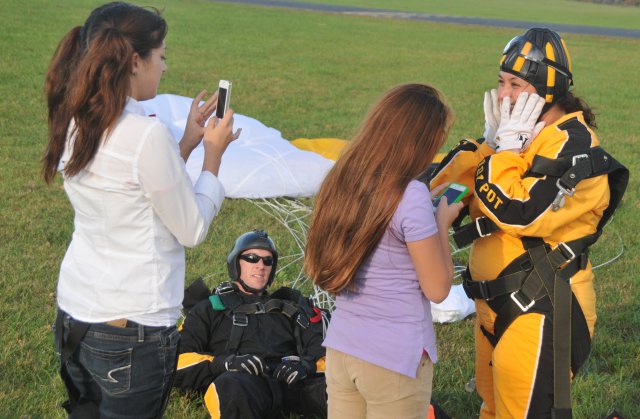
{"x":111,"y":370}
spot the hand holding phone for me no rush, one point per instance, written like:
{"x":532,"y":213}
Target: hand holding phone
{"x":224,"y":97}
{"x":454,"y":193}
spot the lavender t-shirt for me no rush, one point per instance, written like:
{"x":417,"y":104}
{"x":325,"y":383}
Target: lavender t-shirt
{"x":387,"y":320}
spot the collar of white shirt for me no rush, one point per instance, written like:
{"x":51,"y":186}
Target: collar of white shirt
{"x":133,"y":106}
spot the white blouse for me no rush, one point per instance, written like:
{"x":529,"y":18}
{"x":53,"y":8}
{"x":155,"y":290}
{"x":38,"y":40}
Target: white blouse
{"x":135,"y":209}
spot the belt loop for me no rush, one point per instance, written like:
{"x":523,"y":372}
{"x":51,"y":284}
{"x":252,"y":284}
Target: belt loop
{"x":140,"y":333}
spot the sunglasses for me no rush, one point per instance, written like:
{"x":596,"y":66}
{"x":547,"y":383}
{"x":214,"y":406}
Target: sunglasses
{"x":253,"y":258}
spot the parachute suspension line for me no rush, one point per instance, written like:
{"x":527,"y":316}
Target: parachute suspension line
{"x":291,"y":215}
{"x":459,"y":257}
{"x":458,"y":268}
{"x":620,"y":241}
{"x":294,"y":214}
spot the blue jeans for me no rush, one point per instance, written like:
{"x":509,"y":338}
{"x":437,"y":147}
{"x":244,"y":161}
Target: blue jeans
{"x":123,"y":372}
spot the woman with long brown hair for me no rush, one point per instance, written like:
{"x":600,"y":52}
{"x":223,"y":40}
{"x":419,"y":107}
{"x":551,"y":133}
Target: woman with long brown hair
{"x":121,"y":282}
{"x":376,"y":244}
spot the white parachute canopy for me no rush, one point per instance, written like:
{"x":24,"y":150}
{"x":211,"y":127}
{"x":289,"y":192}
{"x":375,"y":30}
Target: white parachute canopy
{"x":259,"y":164}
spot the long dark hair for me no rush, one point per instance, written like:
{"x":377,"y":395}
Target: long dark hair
{"x":571,"y":103}
{"x":88,"y":79}
{"x":396,"y":142}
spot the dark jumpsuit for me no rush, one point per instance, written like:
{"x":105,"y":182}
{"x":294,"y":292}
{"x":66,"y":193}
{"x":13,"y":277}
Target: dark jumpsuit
{"x":205,"y":335}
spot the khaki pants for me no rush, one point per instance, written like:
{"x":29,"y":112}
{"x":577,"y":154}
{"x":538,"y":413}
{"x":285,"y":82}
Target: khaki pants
{"x":359,"y":389}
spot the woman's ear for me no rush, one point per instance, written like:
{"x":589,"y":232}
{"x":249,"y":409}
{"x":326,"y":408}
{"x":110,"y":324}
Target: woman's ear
{"x":136,"y":62}
{"x":134,"y":80}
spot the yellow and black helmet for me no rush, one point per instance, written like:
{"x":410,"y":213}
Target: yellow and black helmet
{"x":540,"y":57}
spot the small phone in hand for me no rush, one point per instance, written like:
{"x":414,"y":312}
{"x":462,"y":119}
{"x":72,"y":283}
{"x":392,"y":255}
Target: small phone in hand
{"x":224,"y":97}
{"x":454,"y":193}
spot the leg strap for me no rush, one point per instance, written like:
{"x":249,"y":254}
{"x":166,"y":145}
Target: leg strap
{"x":543,"y":282}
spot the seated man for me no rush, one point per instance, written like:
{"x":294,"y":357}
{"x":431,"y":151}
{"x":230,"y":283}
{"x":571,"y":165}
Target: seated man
{"x":254,"y":354}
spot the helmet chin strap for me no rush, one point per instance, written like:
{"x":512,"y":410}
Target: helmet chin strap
{"x":252,"y":290}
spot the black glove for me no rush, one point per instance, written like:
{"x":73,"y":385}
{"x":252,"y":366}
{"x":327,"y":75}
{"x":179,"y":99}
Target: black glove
{"x":252,"y":364}
{"x":291,"y":371}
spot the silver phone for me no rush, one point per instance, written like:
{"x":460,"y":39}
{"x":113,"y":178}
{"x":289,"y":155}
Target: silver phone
{"x":224,"y":97}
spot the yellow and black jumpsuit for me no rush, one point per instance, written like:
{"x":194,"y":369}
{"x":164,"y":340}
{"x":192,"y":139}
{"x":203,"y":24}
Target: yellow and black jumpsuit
{"x":515,"y":379}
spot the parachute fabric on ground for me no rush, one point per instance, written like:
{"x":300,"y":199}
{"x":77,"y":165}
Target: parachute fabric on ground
{"x":259,"y":164}
{"x":330,"y":148}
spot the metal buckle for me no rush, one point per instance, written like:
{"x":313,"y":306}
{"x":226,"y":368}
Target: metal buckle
{"x":480,"y":229}
{"x":562,"y":190}
{"x":261,"y":308}
{"x":224,"y":288}
{"x":243,"y":322}
{"x":566,"y":250}
{"x":577,"y":157}
{"x":558,"y":201}
{"x":302,"y":321}
{"x":519,"y":304}
{"x":484,"y":292}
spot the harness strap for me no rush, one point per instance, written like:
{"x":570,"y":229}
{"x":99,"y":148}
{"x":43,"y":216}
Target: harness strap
{"x":570,"y":171}
{"x":599,"y":160}
{"x":532,"y":282}
{"x":240,"y":322}
{"x":228,"y":296}
{"x":493,"y":340}
{"x":297,"y":332}
{"x":466,"y":234}
{"x":488,"y":290}
{"x":560,"y":294}
{"x":289,"y":309}
{"x":541,"y":282}
{"x":534,"y":287}
{"x":561,"y":348}
{"x":240,"y":317}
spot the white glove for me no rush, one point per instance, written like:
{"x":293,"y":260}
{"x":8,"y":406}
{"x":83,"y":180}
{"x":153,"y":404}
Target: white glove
{"x":491,"y":117}
{"x":518,"y":128}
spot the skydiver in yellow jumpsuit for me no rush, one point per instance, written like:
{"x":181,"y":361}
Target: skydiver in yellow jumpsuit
{"x":532,"y":113}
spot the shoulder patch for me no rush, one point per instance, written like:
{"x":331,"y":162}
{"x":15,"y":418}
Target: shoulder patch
{"x":216,"y":302}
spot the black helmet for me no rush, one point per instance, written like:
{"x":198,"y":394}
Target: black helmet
{"x":256,"y":239}
{"x":540,"y":57}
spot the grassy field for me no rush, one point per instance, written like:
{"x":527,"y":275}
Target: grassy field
{"x":308,"y":75}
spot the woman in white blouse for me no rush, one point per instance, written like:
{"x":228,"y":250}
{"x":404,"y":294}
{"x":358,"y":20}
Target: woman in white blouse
{"x":122,"y":279}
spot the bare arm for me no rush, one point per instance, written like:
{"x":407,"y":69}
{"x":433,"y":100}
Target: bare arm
{"x":195,"y":125}
{"x":431,"y":257}
{"x":217,"y":136}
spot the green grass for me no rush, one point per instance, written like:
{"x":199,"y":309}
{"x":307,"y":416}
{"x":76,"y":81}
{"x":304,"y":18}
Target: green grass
{"x":308,"y":75}
{"x":574,"y":12}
